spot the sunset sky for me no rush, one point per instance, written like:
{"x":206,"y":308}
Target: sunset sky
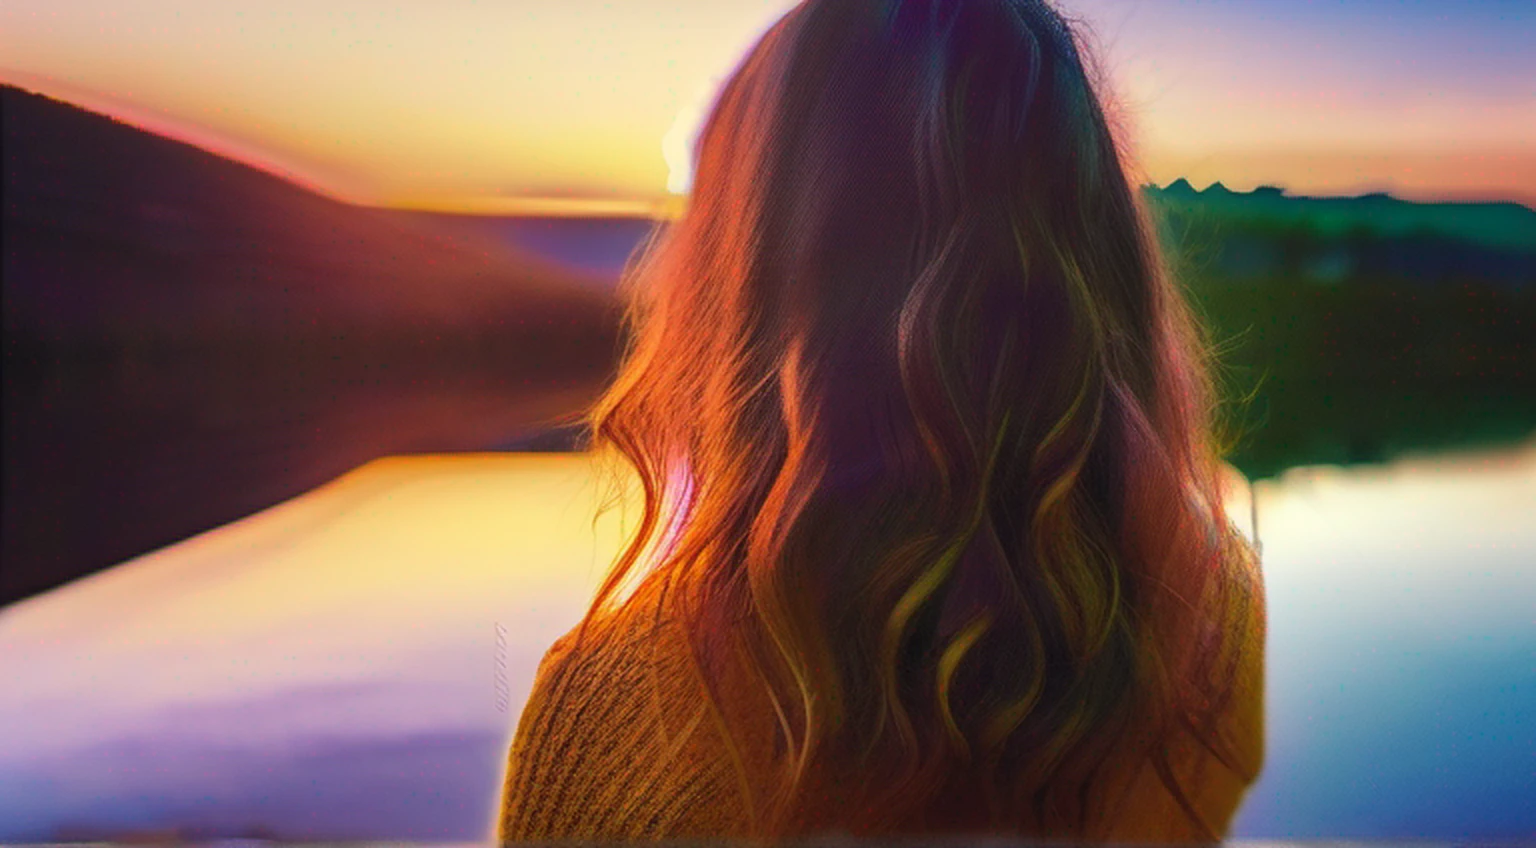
{"x":580,"y":105}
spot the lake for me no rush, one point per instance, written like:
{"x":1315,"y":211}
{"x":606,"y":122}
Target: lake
{"x":350,"y":663}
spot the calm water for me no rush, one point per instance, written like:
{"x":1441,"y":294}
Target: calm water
{"x":350,"y":663}
{"x":1402,"y":656}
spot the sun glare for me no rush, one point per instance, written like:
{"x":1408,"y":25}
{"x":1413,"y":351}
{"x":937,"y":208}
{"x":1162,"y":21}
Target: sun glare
{"x":678,"y":145}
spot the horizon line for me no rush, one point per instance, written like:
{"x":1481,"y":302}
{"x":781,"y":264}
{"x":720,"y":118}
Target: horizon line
{"x":542,"y":206}
{"x":672,"y":207}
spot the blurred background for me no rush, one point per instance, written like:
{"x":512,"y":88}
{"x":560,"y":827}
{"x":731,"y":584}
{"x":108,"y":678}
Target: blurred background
{"x":297,"y":294}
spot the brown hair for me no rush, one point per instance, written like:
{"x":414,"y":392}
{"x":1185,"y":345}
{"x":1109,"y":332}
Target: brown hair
{"x":932,"y":425}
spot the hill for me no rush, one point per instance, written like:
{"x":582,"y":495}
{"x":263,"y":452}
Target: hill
{"x":188,"y":340}
{"x":119,"y":234}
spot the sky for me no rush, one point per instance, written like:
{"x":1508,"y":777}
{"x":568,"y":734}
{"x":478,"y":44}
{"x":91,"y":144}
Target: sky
{"x":582,"y":105}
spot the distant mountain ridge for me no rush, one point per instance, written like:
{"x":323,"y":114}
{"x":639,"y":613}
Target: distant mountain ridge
{"x":1503,"y":225}
{"x":1242,"y":236}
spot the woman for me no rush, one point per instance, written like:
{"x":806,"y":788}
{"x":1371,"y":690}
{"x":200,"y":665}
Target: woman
{"x":932,"y":540}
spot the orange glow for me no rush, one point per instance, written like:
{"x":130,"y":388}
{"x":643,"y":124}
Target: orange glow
{"x":546,"y":207}
{"x":589,"y":107}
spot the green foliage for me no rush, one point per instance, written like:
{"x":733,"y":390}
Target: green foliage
{"x":1353,"y":337}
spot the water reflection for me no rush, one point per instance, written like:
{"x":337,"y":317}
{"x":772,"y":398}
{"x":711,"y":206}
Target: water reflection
{"x":108,"y":458}
{"x":1400,"y":650}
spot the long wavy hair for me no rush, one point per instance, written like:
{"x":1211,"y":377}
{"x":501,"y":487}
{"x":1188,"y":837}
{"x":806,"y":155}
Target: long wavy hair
{"x":925,"y":429}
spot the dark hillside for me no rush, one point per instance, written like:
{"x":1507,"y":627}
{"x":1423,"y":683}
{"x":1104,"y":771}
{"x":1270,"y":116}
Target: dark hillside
{"x":188,"y":340}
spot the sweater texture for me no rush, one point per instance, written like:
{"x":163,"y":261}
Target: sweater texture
{"x":618,"y":742}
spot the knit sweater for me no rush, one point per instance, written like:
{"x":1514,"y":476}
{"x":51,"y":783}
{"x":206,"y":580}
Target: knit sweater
{"x":602,"y":754}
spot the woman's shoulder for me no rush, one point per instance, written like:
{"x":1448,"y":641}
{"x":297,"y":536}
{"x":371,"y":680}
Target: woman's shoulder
{"x":638,"y":620}
{"x":614,"y":742}
{"x":607,"y":654}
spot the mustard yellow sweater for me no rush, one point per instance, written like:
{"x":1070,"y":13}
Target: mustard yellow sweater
{"x":600,"y":754}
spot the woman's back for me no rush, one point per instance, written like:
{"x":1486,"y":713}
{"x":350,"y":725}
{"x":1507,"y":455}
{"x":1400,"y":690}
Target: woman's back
{"x":932,"y":510}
